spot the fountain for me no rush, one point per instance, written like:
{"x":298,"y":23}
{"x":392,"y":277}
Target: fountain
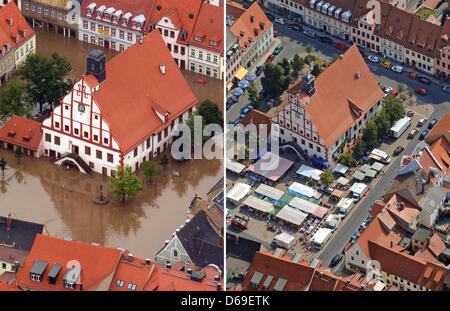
{"x":101,"y":199}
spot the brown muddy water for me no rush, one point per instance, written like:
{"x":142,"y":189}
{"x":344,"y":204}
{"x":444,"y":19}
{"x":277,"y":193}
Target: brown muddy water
{"x":62,"y":200}
{"x":47,"y":193}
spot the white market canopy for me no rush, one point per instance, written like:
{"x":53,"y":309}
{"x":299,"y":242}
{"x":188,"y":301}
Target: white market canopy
{"x":309,"y":172}
{"x":292,"y":215}
{"x":234,"y":166}
{"x":238,"y":192}
{"x":342,"y":181}
{"x":377,"y":166}
{"x":345,"y":203}
{"x":358,"y":175}
{"x":358,"y":188}
{"x":303,"y":205}
{"x":303,"y":190}
{"x":341,"y":169}
{"x":271,"y":166}
{"x":269,"y":192}
{"x":258,"y":204}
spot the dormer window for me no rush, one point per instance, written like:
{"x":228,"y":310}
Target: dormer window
{"x":17,"y":39}
{"x":213,"y":43}
{"x":197,"y":38}
{"x":99,"y":14}
{"x":25,"y":33}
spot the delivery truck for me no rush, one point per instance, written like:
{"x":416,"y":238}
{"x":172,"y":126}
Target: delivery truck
{"x":380,"y":156}
{"x":321,"y":237}
{"x":284,"y":240}
{"x":400,"y":127}
{"x":357,"y":191}
{"x":344,"y":206}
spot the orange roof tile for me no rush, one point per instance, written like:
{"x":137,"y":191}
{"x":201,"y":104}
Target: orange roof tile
{"x":11,"y":286}
{"x":97,"y":263}
{"x":132,"y":271}
{"x":443,"y":125}
{"x":22,"y":132}
{"x":436,"y":245}
{"x":257,"y":117}
{"x":134,"y":79}
{"x":209,"y":28}
{"x":337,"y":90}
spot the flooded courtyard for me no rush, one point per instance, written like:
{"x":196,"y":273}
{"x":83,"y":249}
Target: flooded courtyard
{"x":39,"y":191}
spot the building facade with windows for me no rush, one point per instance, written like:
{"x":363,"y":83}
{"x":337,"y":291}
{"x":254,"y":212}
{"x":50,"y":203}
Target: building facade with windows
{"x":234,"y":55}
{"x":114,"y":25}
{"x":292,"y":8}
{"x":347,"y":90}
{"x":55,"y":16}
{"x":206,"y":43}
{"x":94,"y":121}
{"x":442,"y":57}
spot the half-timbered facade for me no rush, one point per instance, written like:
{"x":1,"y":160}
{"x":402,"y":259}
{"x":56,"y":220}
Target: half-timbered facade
{"x":123,"y":112}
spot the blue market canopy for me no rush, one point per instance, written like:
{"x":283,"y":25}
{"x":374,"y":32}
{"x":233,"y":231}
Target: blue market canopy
{"x":237,"y":91}
{"x":250,"y":77}
{"x":244,"y":84}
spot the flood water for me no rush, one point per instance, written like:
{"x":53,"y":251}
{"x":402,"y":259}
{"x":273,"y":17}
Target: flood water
{"x":62,"y":200}
{"x":47,"y":193}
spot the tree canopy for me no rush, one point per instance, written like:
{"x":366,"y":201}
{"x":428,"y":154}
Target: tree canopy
{"x":326,"y":178}
{"x":150,"y":169}
{"x":210,"y":112}
{"x":275,"y":81}
{"x":124,"y":183}
{"x":14,"y":100}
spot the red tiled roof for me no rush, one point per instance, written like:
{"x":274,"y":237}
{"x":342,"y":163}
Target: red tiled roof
{"x":424,"y":36}
{"x":436,"y":245}
{"x":402,"y":209}
{"x":134,"y":83}
{"x":377,"y":208}
{"x":179,"y":13}
{"x":257,"y":117}
{"x":209,"y":27}
{"x":9,"y":33}
{"x":134,"y":272}
{"x":442,"y":127}
{"x":9,"y":287}
{"x":18,"y":128}
{"x":246,"y":25}
{"x":97,"y":263}
{"x":337,"y":90}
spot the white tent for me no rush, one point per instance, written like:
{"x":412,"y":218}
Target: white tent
{"x":234,"y":166}
{"x":258,"y":204}
{"x":292,"y":215}
{"x":238,"y":192}
{"x":270,"y":192}
{"x":309,"y":172}
{"x":303,"y":190}
{"x":303,"y":205}
{"x":341,"y":169}
{"x":342,"y":181}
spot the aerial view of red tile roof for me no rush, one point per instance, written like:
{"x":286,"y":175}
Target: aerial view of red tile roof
{"x":208,"y":29}
{"x":206,"y":279}
{"x":98,"y":264}
{"x":339,"y":91}
{"x":397,"y":25}
{"x":253,"y":24}
{"x":234,"y":9}
{"x":132,"y":273}
{"x":436,"y":245}
{"x":134,"y":78}
{"x":257,"y":118}
{"x":424,"y":37}
{"x":9,"y":30}
{"x":442,"y":128}
{"x":135,"y":8}
{"x":402,"y":209}
{"x":22,"y":132}
{"x":9,"y":286}
{"x":429,"y":275}
{"x":182,"y":13}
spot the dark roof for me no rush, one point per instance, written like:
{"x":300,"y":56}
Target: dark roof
{"x":96,"y":53}
{"x":241,"y":247}
{"x":421,"y":234}
{"x":409,"y":186}
{"x":21,"y":233}
{"x":201,"y":242}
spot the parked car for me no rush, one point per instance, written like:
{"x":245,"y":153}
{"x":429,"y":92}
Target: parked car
{"x":259,"y":70}
{"x":387,"y":91}
{"x":432,"y":123}
{"x":421,"y":91}
{"x":394,"y":92}
{"x":421,"y":122}
{"x":275,"y":33}
{"x":412,"y":134}
{"x":325,"y":39}
{"x":262,"y":93}
{"x":309,"y":33}
{"x":340,"y":46}
{"x":446,"y":89}
{"x":398,"y":150}
{"x":296,"y":27}
{"x":278,"y":49}
{"x":239,"y":222}
{"x":398,"y":69}
{"x":336,"y":259}
{"x":280,"y":20}
{"x":386,"y":64}
{"x":244,"y":112}
{"x":230,"y":102}
{"x":424,"y":80}
{"x":200,"y":81}
{"x":423,"y":134}
{"x":373,"y":58}
{"x":270,"y":58}
{"x":327,"y":190}
{"x":410,"y":114}
{"x":412,"y":75}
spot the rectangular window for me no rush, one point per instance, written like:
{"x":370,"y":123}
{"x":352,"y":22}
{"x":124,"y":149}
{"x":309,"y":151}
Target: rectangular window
{"x":122,"y":34}
{"x":76,"y":131}
{"x":87,"y":150}
{"x":93,"y":26}
{"x":95,"y":138}
{"x":66,"y":128}
{"x":113,"y":32}
{"x":98,"y":154}
{"x":57,"y":141}
{"x":86,"y":135}
{"x":106,"y":141}
{"x":130,"y":37}
{"x":135,"y":152}
{"x":110,"y":158}
{"x":48,"y":138}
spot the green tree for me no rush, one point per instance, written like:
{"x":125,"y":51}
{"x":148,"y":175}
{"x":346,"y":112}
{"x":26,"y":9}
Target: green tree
{"x":253,"y":95}
{"x":14,"y":100}
{"x":370,"y":134}
{"x":347,"y":160}
{"x":123,"y":183}
{"x":46,"y":78}
{"x":3,"y":164}
{"x":326,"y":178}
{"x":383,"y":123}
{"x":18,"y":153}
{"x":297,"y":64}
{"x":190,"y":123}
{"x":210,"y":112}
{"x":275,"y":81}
{"x":286,"y":64}
{"x":150,"y":169}
{"x":309,"y":48}
{"x":358,"y":150}
{"x":316,"y":71}
{"x":394,"y":108}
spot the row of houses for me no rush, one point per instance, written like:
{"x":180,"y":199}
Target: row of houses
{"x":382,"y":27}
{"x":17,"y":40}
{"x":192,"y":30}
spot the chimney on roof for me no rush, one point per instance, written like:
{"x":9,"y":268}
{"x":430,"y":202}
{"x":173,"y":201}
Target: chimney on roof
{"x":168,"y":266}
{"x":8,"y":222}
{"x":189,"y":271}
{"x":307,"y":84}
{"x":162,"y":67}
{"x":147,"y":261}
{"x":96,"y":64}
{"x":130,"y":257}
{"x":357,"y":75}
{"x":341,"y":56}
